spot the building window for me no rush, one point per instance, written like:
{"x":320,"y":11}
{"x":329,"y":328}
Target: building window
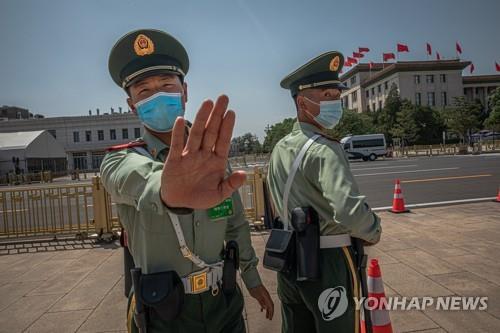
{"x":112,"y":134}
{"x":355,"y":96}
{"x":80,"y":160}
{"x":431,"y":99}
{"x":380,"y":105}
{"x":367,"y":93}
{"x":373,"y":107}
{"x":76,"y":137}
{"x":429,"y":78}
{"x":442,"y":78}
{"x":379,"y":88}
{"x":386,"y":85}
{"x":100,"y":135}
{"x":353,"y":80}
{"x":137,"y":132}
{"x":418,"y":99}
{"x":368,"y":107}
{"x":417,"y":79}
{"x":125,"y":133}
{"x":444,"y":98}
{"x":88,"y":136}
{"x":373,"y":91}
{"x":53,"y":133}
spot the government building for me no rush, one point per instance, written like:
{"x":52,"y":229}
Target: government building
{"x":428,"y":83}
{"x":84,"y":138}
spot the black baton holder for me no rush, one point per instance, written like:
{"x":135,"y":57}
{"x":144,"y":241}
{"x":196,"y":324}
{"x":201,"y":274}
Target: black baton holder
{"x":305,"y":222}
{"x":231,"y":266}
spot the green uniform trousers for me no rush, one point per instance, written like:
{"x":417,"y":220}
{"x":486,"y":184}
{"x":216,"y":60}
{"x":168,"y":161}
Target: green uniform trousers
{"x":202,"y":313}
{"x":326,"y":305}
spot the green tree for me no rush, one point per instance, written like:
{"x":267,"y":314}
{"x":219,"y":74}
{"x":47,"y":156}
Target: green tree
{"x":430,"y":125}
{"x":385,"y":119}
{"x":406,"y":127}
{"x":493,"y":120}
{"x":248,"y":143}
{"x":276,"y":132}
{"x":463,"y":118}
{"x":353,"y":123}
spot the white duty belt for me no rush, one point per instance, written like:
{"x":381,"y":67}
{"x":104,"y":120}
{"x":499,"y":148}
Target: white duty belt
{"x":326,"y":242}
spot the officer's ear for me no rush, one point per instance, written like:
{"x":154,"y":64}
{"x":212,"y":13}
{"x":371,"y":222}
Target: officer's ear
{"x":300,"y":103}
{"x":131,"y":105}
{"x":185,"y":95}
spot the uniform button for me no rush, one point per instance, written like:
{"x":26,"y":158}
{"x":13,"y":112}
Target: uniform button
{"x":154,"y":206}
{"x":197,"y":223}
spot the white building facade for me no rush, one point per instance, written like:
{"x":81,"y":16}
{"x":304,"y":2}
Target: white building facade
{"x":84,"y":138}
{"x":427,"y":83}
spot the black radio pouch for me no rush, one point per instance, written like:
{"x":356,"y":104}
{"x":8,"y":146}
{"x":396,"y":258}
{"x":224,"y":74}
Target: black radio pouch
{"x":279,"y":255}
{"x":163,"y":293}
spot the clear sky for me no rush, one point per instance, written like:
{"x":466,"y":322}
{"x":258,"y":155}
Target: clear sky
{"x":54,"y":53}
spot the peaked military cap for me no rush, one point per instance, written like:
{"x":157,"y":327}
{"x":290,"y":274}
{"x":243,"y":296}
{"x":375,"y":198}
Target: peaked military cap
{"x":322,"y":71}
{"x":144,"y":52}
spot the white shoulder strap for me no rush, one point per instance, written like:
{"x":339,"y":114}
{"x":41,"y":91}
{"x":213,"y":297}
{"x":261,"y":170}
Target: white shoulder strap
{"x":186,"y":252}
{"x":291,"y":176}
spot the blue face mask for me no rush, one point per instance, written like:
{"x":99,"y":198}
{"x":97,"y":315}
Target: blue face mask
{"x":330,"y":113}
{"x":159,"y":111}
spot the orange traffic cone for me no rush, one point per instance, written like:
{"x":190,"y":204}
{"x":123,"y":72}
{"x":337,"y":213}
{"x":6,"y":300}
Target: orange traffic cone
{"x":398,"y":203}
{"x":498,"y":196}
{"x":381,"y":321}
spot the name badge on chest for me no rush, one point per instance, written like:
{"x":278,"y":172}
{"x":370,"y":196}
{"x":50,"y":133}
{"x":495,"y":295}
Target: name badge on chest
{"x":221,"y":211}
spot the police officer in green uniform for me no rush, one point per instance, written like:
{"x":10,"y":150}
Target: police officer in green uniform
{"x":324,"y":182}
{"x":177,"y":199}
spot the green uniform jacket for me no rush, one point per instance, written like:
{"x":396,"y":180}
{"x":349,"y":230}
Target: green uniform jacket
{"x":323,"y":181}
{"x":133,"y":180}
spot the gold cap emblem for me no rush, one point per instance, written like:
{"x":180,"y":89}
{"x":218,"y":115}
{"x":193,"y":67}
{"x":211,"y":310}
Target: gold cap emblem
{"x":143,"y":45}
{"x":334,"y":64}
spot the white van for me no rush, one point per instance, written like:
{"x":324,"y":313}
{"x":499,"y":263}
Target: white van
{"x":366,"y":147}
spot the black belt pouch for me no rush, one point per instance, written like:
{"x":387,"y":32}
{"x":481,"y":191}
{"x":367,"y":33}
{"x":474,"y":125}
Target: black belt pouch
{"x":163,"y":293}
{"x":279,"y":255}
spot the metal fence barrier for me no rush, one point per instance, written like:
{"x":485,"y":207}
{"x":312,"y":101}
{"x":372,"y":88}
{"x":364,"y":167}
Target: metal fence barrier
{"x":84,"y":210}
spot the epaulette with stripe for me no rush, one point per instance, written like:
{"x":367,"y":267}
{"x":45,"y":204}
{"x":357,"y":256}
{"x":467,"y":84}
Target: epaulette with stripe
{"x":138,"y":143}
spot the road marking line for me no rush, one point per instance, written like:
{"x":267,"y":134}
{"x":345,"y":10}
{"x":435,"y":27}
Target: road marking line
{"x":410,"y":171}
{"x":428,"y":204}
{"x":442,"y":178}
{"x":389,"y":167}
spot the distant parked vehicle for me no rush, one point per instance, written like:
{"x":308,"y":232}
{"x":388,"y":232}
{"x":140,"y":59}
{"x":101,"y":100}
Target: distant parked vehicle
{"x":365,"y":147}
{"x":485,"y":135}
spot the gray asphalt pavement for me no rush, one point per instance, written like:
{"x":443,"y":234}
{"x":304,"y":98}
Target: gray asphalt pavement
{"x":429,"y":179}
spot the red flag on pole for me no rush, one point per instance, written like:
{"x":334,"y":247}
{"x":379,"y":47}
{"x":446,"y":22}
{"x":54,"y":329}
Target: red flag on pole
{"x":497,"y":66}
{"x":352,"y":60}
{"x":357,"y":55}
{"x":458,"y":47}
{"x":438,"y":56}
{"x":403,"y":48}
{"x":429,"y":49}
{"x":363,"y":49}
{"x":472,"y":68}
{"x":370,"y":65}
{"x":388,"y":56}
{"x":347,"y":63}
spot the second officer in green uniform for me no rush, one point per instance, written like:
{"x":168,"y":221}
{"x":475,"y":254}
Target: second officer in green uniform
{"x":309,"y":169}
{"x":177,"y":199}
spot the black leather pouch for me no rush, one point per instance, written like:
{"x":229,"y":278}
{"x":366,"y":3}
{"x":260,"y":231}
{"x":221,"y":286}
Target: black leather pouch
{"x":163,"y":293}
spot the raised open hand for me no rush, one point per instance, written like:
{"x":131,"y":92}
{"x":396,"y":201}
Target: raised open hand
{"x":194,"y":173}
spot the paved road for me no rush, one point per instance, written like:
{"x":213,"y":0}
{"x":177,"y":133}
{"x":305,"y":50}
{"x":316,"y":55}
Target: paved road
{"x":429,"y":179}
